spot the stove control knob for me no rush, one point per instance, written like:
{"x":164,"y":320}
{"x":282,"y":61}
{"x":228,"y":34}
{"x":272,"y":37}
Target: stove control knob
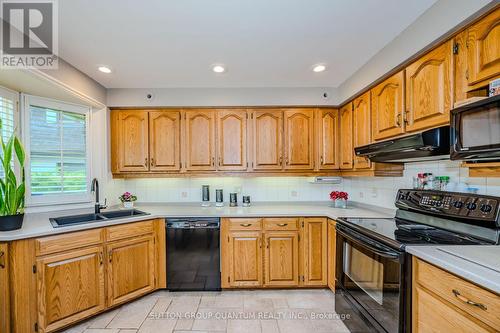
{"x":471,"y":206}
{"x":458,"y":204}
{"x":439,"y":204}
{"x":485,"y":208}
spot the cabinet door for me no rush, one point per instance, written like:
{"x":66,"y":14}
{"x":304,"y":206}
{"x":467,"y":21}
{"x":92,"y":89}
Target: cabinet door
{"x":332,"y":243}
{"x":232,"y":139}
{"x":328,"y":137}
{"x":315,"y":251}
{"x":346,"y":142}
{"x":387,"y":107}
{"x":267,"y":132}
{"x":245,"y":258}
{"x":200,"y":140}
{"x":429,"y":93}
{"x":362,"y":128}
{"x":70,"y":287}
{"x":299,"y":139}
{"x":164,"y":140}
{"x":281,"y":258}
{"x":483,"y":45}
{"x":132,"y":140}
{"x":4,"y":289}
{"x":131,"y":268}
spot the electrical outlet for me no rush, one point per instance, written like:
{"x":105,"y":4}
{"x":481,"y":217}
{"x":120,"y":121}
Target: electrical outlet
{"x":374,"y":193}
{"x":294,"y":194}
{"x":184,"y":194}
{"x":361,"y":195}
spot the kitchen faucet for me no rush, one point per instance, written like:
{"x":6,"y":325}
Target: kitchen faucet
{"x":94,"y":188}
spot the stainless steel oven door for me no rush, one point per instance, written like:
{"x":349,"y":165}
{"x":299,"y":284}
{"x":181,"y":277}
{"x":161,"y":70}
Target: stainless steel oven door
{"x":371,"y":274}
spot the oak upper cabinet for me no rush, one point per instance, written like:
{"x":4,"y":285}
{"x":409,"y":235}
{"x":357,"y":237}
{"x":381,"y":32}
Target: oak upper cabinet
{"x":299,"y":139}
{"x":200,"y":140}
{"x":267,"y":133}
{"x":346,"y":137}
{"x":164,"y":140}
{"x":388,"y":105}
{"x":4,"y":289}
{"x":131,"y":268}
{"x":429,"y":89}
{"x":281,"y":258}
{"x":328,"y":139}
{"x":130,"y":140}
{"x":70,"y":287}
{"x":483,"y":49}
{"x":314,"y":238}
{"x":331,"y":252}
{"x":232,"y":140}
{"x":244,"y":258}
{"x":362,"y":128}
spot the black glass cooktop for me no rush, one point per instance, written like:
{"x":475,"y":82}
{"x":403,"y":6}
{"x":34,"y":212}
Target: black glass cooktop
{"x":400,"y":233}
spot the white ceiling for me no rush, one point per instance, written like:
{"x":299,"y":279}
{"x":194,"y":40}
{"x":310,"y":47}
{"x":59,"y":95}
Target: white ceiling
{"x":262,"y":43}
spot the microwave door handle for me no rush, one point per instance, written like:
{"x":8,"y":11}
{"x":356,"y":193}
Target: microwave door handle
{"x":365,"y":243}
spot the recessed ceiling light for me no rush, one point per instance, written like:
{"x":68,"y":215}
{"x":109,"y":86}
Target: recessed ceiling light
{"x":218,"y":69}
{"x":104,"y":69}
{"x":319,"y":68}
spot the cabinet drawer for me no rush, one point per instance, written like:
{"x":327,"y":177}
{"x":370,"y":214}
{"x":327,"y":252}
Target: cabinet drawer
{"x":458,"y":291}
{"x":279,"y":223}
{"x":129,"y":230}
{"x":245,"y":224}
{"x":70,"y":241}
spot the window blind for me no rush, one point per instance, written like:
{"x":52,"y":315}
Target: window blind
{"x":58,"y":151}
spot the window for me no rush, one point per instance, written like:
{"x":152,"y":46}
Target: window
{"x":8,"y":115}
{"x":56,"y":140}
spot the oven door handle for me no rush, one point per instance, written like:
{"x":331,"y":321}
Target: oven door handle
{"x":367,"y":243}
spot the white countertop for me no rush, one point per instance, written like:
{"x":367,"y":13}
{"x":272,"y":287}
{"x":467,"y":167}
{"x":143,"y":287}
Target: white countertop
{"x":37,"y":224}
{"x":479,"y":264}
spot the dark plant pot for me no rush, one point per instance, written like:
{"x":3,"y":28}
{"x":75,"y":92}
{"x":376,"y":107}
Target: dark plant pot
{"x":11,"y":222}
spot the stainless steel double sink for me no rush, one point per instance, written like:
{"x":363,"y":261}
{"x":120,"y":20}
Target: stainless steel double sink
{"x":69,"y":220}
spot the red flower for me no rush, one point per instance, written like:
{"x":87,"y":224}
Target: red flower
{"x":334,"y":195}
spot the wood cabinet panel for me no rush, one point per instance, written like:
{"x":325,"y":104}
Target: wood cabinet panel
{"x":361,"y":128}
{"x":388,"y":105}
{"x":281,"y":258}
{"x":331,"y":252}
{"x":299,"y":139}
{"x":244,"y":258}
{"x":267,"y":132}
{"x":346,"y":137}
{"x":130,"y":269}
{"x":232,"y":140}
{"x":244,"y":224}
{"x":200,"y":140}
{"x":69,"y":241}
{"x":70,"y":287}
{"x":132,"y":137}
{"x":315,"y":251}
{"x":128,"y":230}
{"x":165,"y":140}
{"x":4,"y":288}
{"x":429,"y":89}
{"x":483,"y":46}
{"x":281,"y":223}
{"x":328,"y":135}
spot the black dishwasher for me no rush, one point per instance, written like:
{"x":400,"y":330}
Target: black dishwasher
{"x":193,"y":254}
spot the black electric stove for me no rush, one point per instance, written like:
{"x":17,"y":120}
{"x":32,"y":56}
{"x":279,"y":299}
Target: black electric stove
{"x":374,"y":271}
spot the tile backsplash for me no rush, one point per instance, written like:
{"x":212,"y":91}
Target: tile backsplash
{"x":378,"y":191}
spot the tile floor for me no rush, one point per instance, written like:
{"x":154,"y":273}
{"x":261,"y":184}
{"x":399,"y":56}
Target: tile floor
{"x":266,"y":311}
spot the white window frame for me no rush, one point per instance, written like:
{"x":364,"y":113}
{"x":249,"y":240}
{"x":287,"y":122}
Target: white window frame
{"x":54,"y":199}
{"x":13,"y":95}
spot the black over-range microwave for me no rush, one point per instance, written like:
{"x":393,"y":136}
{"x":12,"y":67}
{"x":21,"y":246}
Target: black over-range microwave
{"x":475,"y":131}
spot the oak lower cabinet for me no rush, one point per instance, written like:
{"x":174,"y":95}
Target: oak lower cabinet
{"x":331,"y":253}
{"x":70,"y":286}
{"x":273,"y":252}
{"x":130,"y":269}
{"x":4,"y":288}
{"x":443,"y":302}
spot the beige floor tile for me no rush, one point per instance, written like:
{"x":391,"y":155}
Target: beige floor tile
{"x":295,"y":326}
{"x":128,"y":331}
{"x":255,"y":303}
{"x":78,"y":328}
{"x":269,"y":326}
{"x":133,"y":314}
{"x":154,"y":325}
{"x":184,"y":304}
{"x":101,"y":330}
{"x":213,"y":319}
{"x":243,"y":326}
{"x":103,"y":320}
{"x":228,"y":301}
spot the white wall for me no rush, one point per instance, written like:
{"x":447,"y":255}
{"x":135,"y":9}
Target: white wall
{"x":221,"y":97}
{"x":379,"y":191}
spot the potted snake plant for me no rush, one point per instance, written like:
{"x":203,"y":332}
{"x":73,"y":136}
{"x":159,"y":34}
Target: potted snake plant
{"x":12,"y":189}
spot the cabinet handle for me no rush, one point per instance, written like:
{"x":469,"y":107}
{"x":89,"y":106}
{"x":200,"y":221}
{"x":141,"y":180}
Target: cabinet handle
{"x":405,"y":118}
{"x":110,"y":255}
{"x":213,"y":161}
{"x":282,"y":224}
{"x":146,"y":161}
{"x":2,"y":259}
{"x":220,"y":161}
{"x":321,"y":160}
{"x":281,"y":160}
{"x":245,"y":224}
{"x":100,"y":258}
{"x":267,"y":244}
{"x":152,"y":161}
{"x":468,"y":301}
{"x":398,"y":120}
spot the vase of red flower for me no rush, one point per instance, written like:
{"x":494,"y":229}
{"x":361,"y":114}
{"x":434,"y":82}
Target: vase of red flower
{"x":339,"y":199}
{"x":127,"y":200}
